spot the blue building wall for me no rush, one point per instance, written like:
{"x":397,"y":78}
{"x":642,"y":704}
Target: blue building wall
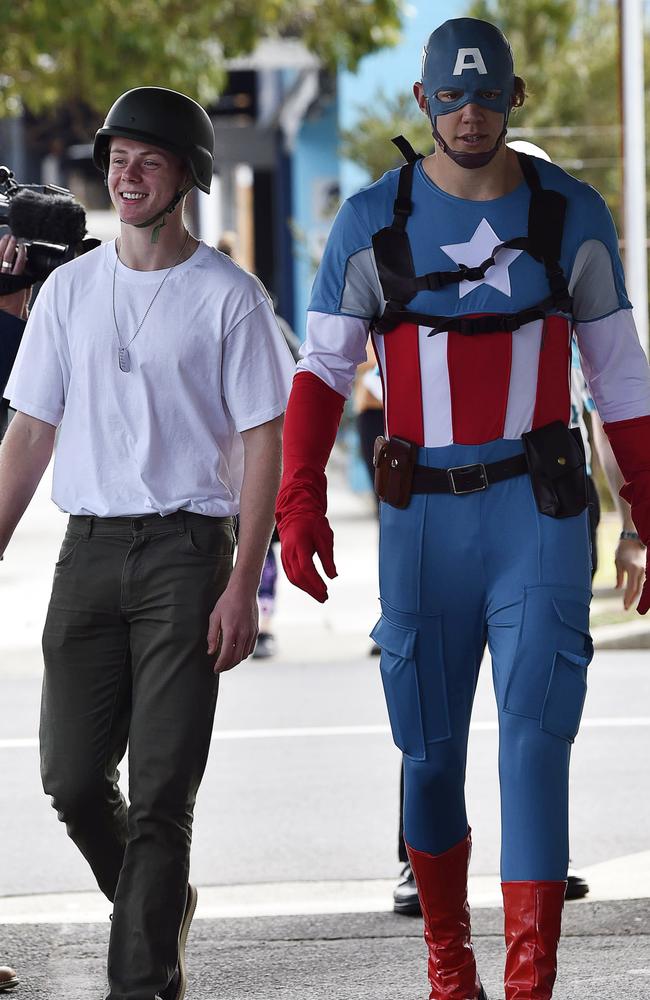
{"x":316,"y":194}
{"x":316,"y":162}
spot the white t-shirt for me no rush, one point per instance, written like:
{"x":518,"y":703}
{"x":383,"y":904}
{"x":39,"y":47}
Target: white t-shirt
{"x":208,"y":363}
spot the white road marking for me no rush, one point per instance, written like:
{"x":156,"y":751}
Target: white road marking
{"x":299,"y":732}
{"x":620,"y":878}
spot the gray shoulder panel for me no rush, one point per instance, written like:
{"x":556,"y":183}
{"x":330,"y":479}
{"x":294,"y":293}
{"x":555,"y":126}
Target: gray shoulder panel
{"x":362,"y":294}
{"x":592,"y":283}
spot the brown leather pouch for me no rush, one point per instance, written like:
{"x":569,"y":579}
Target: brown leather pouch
{"x":395,"y":461}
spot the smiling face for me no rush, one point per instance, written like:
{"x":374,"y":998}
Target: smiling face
{"x":142,"y":179}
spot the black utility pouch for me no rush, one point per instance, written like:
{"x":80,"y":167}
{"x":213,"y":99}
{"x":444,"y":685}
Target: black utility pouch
{"x":394,"y":462}
{"x":556,"y":462}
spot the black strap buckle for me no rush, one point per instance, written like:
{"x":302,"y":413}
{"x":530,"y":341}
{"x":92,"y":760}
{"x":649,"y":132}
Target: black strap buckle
{"x":434,"y":281}
{"x":475,"y":273}
{"x":467,"y":478}
{"x":402,"y":206}
{"x":514,"y":321}
{"x":556,"y":277}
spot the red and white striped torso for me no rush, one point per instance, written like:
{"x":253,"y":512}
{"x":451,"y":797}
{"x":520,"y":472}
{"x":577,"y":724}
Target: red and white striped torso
{"x":451,"y":388}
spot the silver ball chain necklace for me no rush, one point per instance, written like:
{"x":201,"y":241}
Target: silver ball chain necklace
{"x":123,"y":357}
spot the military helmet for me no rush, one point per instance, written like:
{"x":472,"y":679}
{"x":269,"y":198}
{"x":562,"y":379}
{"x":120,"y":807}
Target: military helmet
{"x":163,"y":118}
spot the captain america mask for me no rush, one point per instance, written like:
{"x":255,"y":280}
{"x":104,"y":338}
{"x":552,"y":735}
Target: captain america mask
{"x":472,"y":59}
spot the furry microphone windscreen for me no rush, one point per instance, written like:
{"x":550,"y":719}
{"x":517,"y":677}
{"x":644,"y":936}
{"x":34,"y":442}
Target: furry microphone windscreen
{"x":52,"y":218}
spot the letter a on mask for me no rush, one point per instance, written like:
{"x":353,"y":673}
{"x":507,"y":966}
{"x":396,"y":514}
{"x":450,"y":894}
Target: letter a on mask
{"x":469,"y":59}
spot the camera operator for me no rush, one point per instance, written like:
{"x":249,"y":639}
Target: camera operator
{"x":13,"y":315}
{"x":41,"y":215}
{"x":46,"y":227}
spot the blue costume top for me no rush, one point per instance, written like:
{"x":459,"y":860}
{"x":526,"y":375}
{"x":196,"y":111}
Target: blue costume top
{"x":435,"y":385}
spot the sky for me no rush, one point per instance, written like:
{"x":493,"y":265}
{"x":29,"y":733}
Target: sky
{"x":395,"y":68}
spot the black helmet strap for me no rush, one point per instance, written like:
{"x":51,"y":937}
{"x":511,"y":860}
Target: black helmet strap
{"x":165,"y":212}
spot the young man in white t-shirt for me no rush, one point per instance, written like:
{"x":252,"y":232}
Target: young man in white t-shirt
{"x":162,"y":366}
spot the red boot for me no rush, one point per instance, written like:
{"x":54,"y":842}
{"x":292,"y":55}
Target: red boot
{"x":442,"y":887}
{"x":533,"y":917}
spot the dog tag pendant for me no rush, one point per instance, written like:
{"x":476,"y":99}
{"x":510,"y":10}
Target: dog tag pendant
{"x":124,"y":360}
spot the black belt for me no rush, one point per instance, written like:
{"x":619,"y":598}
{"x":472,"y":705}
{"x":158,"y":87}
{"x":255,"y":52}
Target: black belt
{"x":467,"y":478}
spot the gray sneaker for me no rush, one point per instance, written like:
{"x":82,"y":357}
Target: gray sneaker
{"x":175,"y":990}
{"x":190,"y":907}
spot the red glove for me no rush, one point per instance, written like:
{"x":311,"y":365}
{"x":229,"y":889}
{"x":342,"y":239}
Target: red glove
{"x":630,"y":440}
{"x":310,"y":426}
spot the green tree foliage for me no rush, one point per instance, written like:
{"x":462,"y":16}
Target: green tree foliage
{"x":567,"y":51}
{"x":538,"y":30}
{"x":368,"y":143}
{"x":56,"y":52}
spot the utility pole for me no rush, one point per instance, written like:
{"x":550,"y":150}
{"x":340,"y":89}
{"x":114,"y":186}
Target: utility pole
{"x":634,"y":161}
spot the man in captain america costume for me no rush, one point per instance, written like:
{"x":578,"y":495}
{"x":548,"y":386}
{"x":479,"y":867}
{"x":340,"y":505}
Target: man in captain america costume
{"x":470,"y":268}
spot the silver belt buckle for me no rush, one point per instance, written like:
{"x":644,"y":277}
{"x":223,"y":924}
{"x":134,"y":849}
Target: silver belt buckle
{"x":463,"y":468}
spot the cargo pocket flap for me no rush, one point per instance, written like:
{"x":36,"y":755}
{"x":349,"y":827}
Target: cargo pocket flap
{"x":565,"y":697}
{"x":576,"y":659}
{"x":394,"y":639}
{"x":575,"y":614}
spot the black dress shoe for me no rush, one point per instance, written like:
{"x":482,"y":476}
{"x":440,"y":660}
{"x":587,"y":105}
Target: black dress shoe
{"x":264,"y":647}
{"x":576,"y":886}
{"x":405,"y":895}
{"x":8,"y":978}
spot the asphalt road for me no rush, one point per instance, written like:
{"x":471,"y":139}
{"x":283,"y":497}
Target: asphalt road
{"x":302,"y":783}
{"x":604,"y":955}
{"x":295,"y":830}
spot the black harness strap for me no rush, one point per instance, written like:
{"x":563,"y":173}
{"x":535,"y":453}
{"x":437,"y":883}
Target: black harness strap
{"x":546,"y":217}
{"x":406,"y":149}
{"x":392,"y":247}
{"x":466,"y":325}
{"x":400,"y":284}
{"x":438,"y":279}
{"x":403,"y":206}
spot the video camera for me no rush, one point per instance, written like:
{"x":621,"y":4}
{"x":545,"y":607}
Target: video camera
{"x":48,"y":221}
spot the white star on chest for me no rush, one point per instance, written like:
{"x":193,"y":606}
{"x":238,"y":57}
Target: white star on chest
{"x":478,"y":249}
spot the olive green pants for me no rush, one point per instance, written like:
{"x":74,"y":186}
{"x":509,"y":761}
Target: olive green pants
{"x":125,"y":648}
